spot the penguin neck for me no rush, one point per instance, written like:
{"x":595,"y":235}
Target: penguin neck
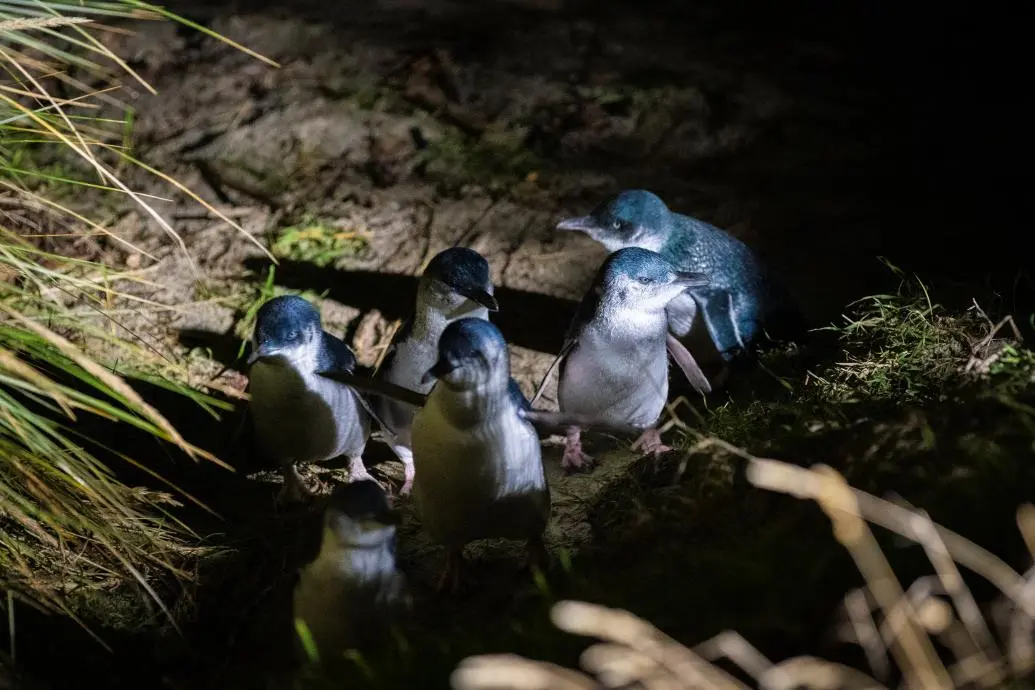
{"x":297,"y":361}
{"x":466,"y":407}
{"x":363,"y":562}
{"x":622,"y":321}
{"x":429,"y":320}
{"x":680,"y":237}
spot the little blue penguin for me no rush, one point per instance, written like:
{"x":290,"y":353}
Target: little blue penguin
{"x":614,"y":363}
{"x":353,"y":592}
{"x":455,"y":284}
{"x":299,"y":415}
{"x":479,"y":465}
{"x":740,"y":300}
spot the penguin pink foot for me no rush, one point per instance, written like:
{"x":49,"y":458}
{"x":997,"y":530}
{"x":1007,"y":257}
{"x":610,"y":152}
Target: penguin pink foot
{"x":650,"y":443}
{"x":574,"y":459}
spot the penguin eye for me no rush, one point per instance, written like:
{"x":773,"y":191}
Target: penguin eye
{"x":643,"y":280}
{"x":616,"y":224}
{"x":293,"y":335}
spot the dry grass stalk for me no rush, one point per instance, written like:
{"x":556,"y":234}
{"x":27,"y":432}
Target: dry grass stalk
{"x":882,"y":618}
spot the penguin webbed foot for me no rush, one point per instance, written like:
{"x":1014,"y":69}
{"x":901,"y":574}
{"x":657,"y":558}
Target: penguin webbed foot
{"x":408,"y":474}
{"x":406,"y":458}
{"x":650,"y":443}
{"x":294,"y":490}
{"x":358,"y":471}
{"x":574,"y":459}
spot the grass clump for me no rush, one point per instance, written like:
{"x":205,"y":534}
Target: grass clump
{"x":497,"y":160}
{"x":71,"y":531}
{"x":317,"y":242}
{"x":890,"y":352}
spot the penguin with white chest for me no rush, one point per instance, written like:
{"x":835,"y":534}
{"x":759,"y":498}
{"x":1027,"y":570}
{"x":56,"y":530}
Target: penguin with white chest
{"x":455,"y":284}
{"x":299,"y":415}
{"x":614,"y":361}
{"x":479,"y":466}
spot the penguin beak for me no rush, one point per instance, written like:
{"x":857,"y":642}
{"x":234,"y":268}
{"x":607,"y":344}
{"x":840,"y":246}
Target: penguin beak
{"x":687,"y":279}
{"x":261,"y":352}
{"x":442,"y":367}
{"x":482,"y":297}
{"x":580,"y":224}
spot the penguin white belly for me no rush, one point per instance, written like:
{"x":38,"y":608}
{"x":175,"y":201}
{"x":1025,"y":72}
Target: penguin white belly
{"x":304,"y":417}
{"x":479,"y":482}
{"x":612,"y":385}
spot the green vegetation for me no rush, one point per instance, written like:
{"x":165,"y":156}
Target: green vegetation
{"x":317,"y":242}
{"x":71,"y":533}
{"x":497,"y":160}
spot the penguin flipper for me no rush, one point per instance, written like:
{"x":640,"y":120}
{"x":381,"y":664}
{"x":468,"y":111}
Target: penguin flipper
{"x":377,"y":387}
{"x":336,"y":355}
{"x":338,"y":358}
{"x":725,"y":326}
{"x":689,"y":366}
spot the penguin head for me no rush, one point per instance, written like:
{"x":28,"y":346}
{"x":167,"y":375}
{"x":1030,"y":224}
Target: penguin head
{"x":643,"y":280}
{"x":457,"y":280}
{"x":634,"y":218}
{"x":358,"y":515}
{"x":470,"y":352}
{"x":286,"y":327}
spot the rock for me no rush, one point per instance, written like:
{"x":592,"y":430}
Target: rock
{"x":205,"y":316}
{"x":278,"y":151}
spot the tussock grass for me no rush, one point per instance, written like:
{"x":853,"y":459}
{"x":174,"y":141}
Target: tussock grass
{"x":889,"y":352}
{"x":69,"y":529}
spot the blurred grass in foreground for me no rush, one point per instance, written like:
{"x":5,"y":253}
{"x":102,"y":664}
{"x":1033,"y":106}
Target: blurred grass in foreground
{"x":931,"y":634}
{"x":68,"y":527}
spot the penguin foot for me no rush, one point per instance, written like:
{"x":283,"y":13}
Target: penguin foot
{"x":574,"y":459}
{"x":450,"y":579}
{"x":408,"y":474}
{"x":294,"y":490}
{"x":650,"y":443}
{"x":405,"y":456}
{"x":358,"y":471}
